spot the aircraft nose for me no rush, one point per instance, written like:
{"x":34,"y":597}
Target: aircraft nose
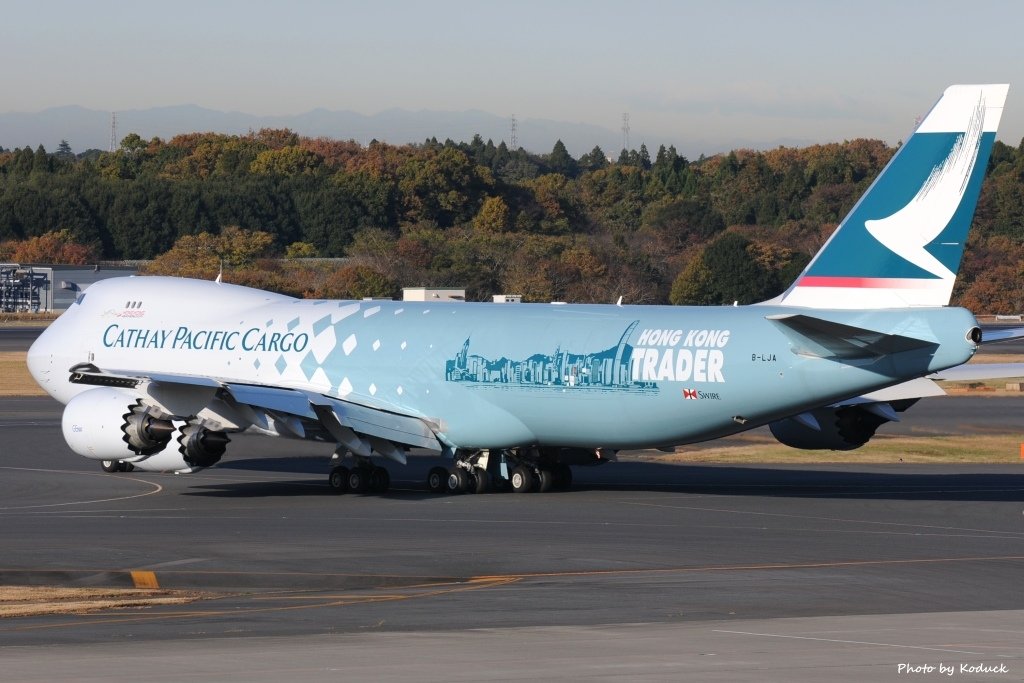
{"x":40,"y":360}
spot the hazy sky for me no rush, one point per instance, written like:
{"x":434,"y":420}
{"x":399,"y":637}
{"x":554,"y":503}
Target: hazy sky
{"x":710,"y":75}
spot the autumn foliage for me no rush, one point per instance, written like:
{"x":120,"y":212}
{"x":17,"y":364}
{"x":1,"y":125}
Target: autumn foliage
{"x":651,"y":228}
{"x":50,"y":247}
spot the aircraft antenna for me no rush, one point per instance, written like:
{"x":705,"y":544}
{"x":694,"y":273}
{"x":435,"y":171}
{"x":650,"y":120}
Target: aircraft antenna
{"x":113,"y":130}
{"x":513,"y":137}
{"x":625,"y":130}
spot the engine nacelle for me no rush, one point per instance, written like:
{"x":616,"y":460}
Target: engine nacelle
{"x":199,"y":446}
{"x":108,"y":423}
{"x":842,"y":429}
{"x":113,"y":424}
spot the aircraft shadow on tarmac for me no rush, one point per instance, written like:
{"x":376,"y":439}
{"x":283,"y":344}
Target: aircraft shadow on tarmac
{"x":900,"y":482}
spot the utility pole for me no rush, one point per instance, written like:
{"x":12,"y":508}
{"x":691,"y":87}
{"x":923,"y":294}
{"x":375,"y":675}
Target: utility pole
{"x":514,"y":138}
{"x":625,"y":131}
{"x":113,"y":130}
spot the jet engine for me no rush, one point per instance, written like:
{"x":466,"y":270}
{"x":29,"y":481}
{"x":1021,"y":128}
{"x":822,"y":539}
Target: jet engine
{"x":198,"y":447}
{"x":840,"y":429}
{"x":113,"y":424}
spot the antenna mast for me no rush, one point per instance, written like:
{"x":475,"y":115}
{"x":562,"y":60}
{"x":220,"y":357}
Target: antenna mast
{"x":113,"y":130}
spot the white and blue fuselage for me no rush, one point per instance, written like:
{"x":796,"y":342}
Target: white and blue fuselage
{"x":494,"y":375}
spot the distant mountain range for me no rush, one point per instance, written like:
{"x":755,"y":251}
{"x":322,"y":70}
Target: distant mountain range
{"x":90,"y":129}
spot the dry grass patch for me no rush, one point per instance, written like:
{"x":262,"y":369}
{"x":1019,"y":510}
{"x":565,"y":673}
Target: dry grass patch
{"x":972,"y":448}
{"x":25,"y":601}
{"x":27,"y":319}
{"x":14,"y":377}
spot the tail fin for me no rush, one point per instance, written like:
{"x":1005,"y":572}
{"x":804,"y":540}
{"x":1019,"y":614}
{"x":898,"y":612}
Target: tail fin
{"x":902,"y":242}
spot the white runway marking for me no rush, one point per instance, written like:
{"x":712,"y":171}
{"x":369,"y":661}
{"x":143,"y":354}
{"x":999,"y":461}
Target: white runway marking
{"x":853,"y":642}
{"x":759,"y":513}
{"x":157,"y":488}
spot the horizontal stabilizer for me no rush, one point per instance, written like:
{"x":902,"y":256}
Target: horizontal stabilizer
{"x":827,"y":339}
{"x":980,"y":371}
{"x":919,"y":387}
{"x":994,"y":336}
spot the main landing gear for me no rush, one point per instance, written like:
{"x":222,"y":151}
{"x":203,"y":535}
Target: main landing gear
{"x":362,"y":477}
{"x":520,"y":471}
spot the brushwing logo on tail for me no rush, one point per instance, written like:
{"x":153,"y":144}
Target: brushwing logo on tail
{"x":909,"y":230}
{"x":902,"y":243}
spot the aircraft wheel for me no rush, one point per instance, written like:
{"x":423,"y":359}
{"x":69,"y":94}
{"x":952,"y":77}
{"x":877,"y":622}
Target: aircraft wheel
{"x":380,"y":480}
{"x":522,"y":480}
{"x":337,"y":480}
{"x":110,"y":466}
{"x":545,"y":480}
{"x":127,"y":467}
{"x":481,"y":481}
{"x":563,"y":477}
{"x":358,"y":480}
{"x":437,"y":480}
{"x":458,"y":481}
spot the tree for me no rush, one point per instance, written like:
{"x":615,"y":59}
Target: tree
{"x":443,"y":186}
{"x":64,"y":152}
{"x":726,"y":271}
{"x":287,"y":161}
{"x":560,"y":161}
{"x":202,"y":255}
{"x":41,"y":161}
{"x":357,"y":282}
{"x":594,"y":161}
{"x":52,"y":247}
{"x":694,"y":286}
{"x":493,"y":216}
{"x":300,"y":250}
{"x":645,"y":158}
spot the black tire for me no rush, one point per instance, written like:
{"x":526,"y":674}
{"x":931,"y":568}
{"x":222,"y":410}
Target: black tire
{"x":481,"y":481}
{"x":522,"y":480}
{"x":380,"y":480}
{"x":127,"y":467}
{"x":458,"y":481}
{"x":337,"y":480}
{"x":545,"y":481}
{"x":358,"y":480}
{"x":110,"y":466}
{"x":563,"y":477}
{"x":437,"y":480}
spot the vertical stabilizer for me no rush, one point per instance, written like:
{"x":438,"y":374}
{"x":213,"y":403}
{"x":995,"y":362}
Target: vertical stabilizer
{"x":902,"y":242}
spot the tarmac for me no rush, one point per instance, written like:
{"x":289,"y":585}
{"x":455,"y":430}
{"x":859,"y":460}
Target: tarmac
{"x":643,"y":571}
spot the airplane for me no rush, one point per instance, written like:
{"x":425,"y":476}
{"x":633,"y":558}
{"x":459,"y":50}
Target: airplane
{"x":157,"y":373}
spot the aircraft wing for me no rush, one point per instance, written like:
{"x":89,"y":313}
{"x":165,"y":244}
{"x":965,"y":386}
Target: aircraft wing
{"x":363,"y":429}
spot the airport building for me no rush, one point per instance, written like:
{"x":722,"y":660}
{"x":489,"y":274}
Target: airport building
{"x":432,"y":294}
{"x":35,"y":288}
